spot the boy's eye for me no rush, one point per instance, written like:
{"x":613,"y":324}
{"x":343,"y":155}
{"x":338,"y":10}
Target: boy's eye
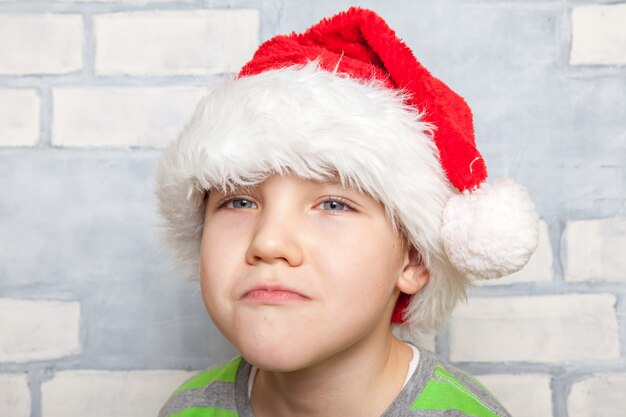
{"x":239,"y":203}
{"x":334,"y":205}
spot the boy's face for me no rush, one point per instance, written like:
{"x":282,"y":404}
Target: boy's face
{"x":295,"y":271}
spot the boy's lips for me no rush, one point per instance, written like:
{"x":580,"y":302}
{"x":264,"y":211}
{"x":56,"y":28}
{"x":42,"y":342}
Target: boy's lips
{"x":273,"y":294}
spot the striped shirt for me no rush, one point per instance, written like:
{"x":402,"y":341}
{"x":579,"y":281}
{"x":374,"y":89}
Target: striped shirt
{"x":435,"y":389}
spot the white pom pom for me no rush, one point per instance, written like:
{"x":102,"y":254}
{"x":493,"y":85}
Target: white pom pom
{"x":491,"y":232}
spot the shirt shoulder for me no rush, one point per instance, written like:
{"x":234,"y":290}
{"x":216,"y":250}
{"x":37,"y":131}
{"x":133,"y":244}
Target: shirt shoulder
{"x":442,"y":389}
{"x":210,"y":393}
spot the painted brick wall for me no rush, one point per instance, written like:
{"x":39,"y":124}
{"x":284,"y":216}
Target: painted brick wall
{"x":90,"y":91}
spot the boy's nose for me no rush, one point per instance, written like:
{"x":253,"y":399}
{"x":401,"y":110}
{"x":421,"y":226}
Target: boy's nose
{"x":275,"y":240}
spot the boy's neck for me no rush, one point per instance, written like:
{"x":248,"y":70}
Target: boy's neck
{"x":362,"y":380}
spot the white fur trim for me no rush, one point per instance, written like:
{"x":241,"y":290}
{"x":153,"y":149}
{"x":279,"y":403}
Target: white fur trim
{"x":492,"y":231}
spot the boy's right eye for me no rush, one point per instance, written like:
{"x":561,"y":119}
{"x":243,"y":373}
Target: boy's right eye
{"x":239,"y":203}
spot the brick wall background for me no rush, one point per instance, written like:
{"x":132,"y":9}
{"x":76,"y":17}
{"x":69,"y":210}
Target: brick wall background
{"x":94,"y":322}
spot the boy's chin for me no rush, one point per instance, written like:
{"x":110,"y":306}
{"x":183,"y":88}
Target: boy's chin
{"x":285,"y":356}
{"x":278,"y":357}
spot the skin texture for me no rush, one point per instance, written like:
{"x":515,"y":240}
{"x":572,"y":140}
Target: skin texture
{"x":302,"y":277}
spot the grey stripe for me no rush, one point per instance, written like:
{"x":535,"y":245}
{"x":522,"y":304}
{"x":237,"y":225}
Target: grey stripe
{"x":217,"y":394}
{"x":241,"y":390}
{"x":434,"y":413}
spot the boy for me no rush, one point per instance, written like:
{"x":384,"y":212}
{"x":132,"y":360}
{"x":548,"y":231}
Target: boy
{"x":329,"y":192}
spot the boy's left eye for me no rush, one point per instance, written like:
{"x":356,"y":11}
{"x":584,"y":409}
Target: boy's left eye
{"x":334,"y":205}
{"x":239,"y":203}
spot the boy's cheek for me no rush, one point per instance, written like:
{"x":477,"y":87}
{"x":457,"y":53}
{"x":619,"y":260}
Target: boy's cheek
{"x":215,"y":290}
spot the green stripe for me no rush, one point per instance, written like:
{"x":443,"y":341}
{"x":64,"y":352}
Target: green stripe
{"x":448,"y":393}
{"x":204,"y":412}
{"x":224,"y":373}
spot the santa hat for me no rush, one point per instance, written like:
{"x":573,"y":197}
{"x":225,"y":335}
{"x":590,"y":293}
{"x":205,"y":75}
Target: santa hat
{"x":348,"y":99}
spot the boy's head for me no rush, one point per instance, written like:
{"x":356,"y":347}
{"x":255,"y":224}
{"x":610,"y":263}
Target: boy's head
{"x":347,"y":102}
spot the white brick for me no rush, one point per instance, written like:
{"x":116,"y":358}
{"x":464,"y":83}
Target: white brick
{"x":527,"y":395}
{"x":108,"y":393}
{"x":538,"y":268}
{"x":92,"y":117}
{"x":552,"y":328}
{"x":36,"y":330}
{"x":595,"y":250}
{"x":161,"y":43}
{"x":40,"y":43}
{"x":599,"y":35}
{"x":19,"y":117}
{"x":598,"y":395}
{"x":14,"y":395}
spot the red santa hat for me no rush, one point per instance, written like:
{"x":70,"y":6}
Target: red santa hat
{"x":347,"y":98}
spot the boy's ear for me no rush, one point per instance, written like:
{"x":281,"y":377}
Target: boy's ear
{"x":414,"y":274}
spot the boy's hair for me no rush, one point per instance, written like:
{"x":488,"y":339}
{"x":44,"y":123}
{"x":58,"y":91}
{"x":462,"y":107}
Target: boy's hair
{"x":320,"y":122}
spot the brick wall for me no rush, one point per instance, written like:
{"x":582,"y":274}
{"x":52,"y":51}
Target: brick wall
{"x":94,"y":322}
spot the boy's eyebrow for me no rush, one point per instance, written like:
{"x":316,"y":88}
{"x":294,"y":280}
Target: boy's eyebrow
{"x":235,"y":189}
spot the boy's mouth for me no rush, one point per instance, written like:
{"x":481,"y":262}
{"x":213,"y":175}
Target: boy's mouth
{"x":273,"y":295}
